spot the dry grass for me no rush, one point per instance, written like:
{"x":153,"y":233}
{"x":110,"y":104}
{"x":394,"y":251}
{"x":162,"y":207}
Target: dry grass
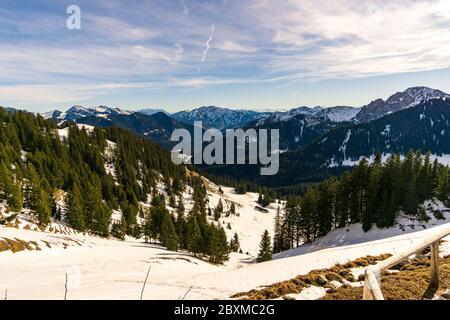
{"x":320,"y":278}
{"x":47,"y":244}
{"x":409,"y":283}
{"x":16,"y":245}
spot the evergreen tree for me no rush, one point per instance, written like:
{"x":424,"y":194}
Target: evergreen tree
{"x":194,"y":236}
{"x":43,"y":208}
{"x":265,"y":248}
{"x":13,"y":192}
{"x":235,"y":245}
{"x":278,"y":238}
{"x":326,"y":207}
{"x":168,"y":237}
{"x":119,"y":230}
{"x":373,"y":194}
{"x":218,"y":210}
{"x":75,"y":209}
{"x":147,"y":229}
{"x":218,"y":249}
{"x":233,"y":209}
{"x":409,"y":194}
{"x":308,"y":215}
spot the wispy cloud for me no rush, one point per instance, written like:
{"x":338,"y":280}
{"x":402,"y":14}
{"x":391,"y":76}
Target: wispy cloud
{"x":184,"y":6}
{"x":208,"y":43}
{"x":348,"y":39}
{"x":134,"y":45}
{"x":236,"y":47}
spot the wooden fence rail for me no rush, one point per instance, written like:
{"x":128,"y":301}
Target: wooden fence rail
{"x":372,"y":286}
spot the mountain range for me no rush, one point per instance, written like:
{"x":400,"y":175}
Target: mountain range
{"x":316,"y":141}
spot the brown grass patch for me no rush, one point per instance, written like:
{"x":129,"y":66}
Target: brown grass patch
{"x":410,"y":283}
{"x":16,"y":245}
{"x":47,"y":244}
{"x":319,"y":278}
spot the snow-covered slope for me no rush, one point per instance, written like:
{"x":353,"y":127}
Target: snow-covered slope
{"x":249,"y":223}
{"x":109,"y":269}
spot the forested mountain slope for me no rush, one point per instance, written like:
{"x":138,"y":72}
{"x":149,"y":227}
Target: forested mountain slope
{"x":425,"y":127}
{"x":81,"y":175}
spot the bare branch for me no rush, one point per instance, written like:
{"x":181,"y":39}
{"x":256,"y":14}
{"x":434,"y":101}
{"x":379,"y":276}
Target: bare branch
{"x":145,"y":282}
{"x":65,"y":286}
{"x":187,"y":293}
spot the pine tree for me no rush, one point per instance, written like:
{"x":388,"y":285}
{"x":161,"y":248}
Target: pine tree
{"x":14,"y":196}
{"x":43,"y":208}
{"x":373,"y":194}
{"x":75,"y":209}
{"x":147,"y":229}
{"x":235,"y":245}
{"x":278,"y":238}
{"x":194,"y":236}
{"x":180,"y":224}
{"x":218,"y":210}
{"x":265,"y":248}
{"x":343,"y":201}
{"x":119,"y":230}
{"x":260,"y":199}
{"x":218,"y":249}
{"x":308,"y":216}
{"x":233,"y":209}
{"x":168,"y":237}
{"x":409,"y":194}
{"x":326,"y":207}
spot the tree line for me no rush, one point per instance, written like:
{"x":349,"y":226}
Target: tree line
{"x":370,"y":194}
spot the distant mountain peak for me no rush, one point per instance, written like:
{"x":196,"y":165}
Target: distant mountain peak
{"x":409,"y":98}
{"x":77,"y":112}
{"x":151,"y":111}
{"x":218,"y":117}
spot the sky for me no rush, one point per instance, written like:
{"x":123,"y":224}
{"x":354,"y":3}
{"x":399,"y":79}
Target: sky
{"x":182,"y":54}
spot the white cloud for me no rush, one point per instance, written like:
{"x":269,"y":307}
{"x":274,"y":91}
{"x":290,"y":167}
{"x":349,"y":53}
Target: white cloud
{"x":117,"y":29}
{"x":353,"y":38}
{"x":277,"y":42}
{"x":236,"y":47}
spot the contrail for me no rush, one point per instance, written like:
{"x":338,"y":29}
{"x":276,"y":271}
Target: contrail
{"x":208,"y":43}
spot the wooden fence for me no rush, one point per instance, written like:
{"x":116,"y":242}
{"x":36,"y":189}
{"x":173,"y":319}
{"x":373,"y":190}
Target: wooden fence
{"x":372,"y":286}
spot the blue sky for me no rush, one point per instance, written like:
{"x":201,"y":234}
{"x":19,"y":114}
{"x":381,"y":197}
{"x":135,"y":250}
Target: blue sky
{"x":181,"y":54}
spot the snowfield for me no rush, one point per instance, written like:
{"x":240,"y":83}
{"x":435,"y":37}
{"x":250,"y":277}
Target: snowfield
{"x":108,"y":269}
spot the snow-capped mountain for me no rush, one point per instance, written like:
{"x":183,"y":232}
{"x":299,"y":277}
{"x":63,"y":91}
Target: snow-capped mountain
{"x":219,"y":118}
{"x":333,"y":114}
{"x":54,"y":114}
{"x":301,"y":126}
{"x":77,"y":112}
{"x":296,"y":130}
{"x":401,"y":100}
{"x":325,"y":151}
{"x":151,"y":111}
{"x":338,"y":114}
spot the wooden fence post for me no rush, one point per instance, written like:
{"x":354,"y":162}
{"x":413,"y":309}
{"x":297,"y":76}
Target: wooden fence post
{"x":434,"y":280}
{"x":372,"y":290}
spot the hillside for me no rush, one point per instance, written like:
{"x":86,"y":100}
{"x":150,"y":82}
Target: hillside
{"x":120,"y":267}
